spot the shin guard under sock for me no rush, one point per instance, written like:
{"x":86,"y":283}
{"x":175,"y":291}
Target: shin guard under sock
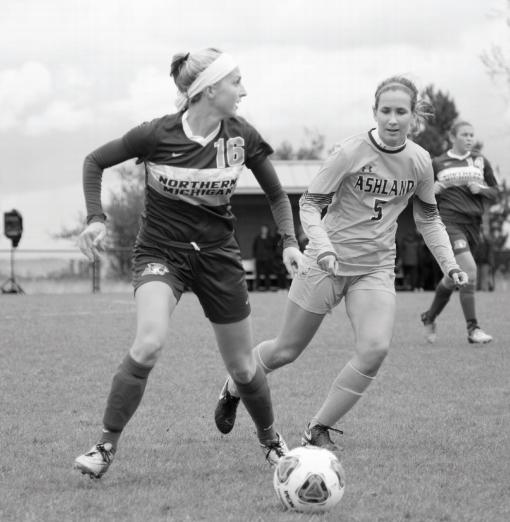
{"x":127,"y":390}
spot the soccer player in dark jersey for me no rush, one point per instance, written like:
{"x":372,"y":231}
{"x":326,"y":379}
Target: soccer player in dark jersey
{"x":192,"y":159}
{"x":365,"y":184}
{"x":464,"y":185}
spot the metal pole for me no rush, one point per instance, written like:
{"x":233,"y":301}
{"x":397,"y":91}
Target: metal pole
{"x":96,"y":275}
{"x":12,"y":264}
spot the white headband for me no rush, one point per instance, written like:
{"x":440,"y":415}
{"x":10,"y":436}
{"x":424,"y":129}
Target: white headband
{"x":216,"y":71}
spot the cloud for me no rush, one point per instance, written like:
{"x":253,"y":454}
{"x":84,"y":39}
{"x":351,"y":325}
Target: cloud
{"x":79,"y":74}
{"x":60,"y":116}
{"x":21,"y":90}
{"x":150,"y":94}
{"x":35,"y":100}
{"x":58,"y":29}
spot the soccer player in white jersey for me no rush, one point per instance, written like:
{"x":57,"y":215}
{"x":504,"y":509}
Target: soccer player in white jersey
{"x":365,"y":184}
{"x":465,"y":185}
{"x":192,"y":159}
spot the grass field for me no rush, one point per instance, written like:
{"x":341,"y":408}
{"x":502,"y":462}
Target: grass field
{"x":429,"y":442}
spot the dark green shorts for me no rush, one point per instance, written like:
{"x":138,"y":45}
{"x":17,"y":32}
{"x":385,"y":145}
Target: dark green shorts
{"x":464,"y":237}
{"x":215,"y":275}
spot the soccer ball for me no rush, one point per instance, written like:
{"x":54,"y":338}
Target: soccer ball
{"x":309,"y":479}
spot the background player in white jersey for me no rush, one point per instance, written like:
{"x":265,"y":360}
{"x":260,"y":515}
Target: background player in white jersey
{"x":365,"y":184}
{"x":192,"y":162}
{"x":465,"y":184}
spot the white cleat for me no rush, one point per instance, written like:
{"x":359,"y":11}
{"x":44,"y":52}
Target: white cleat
{"x":429,"y":328}
{"x":430,"y":333}
{"x":96,"y":462}
{"x":478,"y":336}
{"x":274,"y":450}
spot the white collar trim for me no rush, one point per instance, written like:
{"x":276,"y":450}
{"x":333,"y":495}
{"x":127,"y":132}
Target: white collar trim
{"x":380,"y":142}
{"x":199,"y":139}
{"x":458,"y":156}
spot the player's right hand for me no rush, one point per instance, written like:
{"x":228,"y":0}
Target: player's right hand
{"x":328,"y":262}
{"x":91,"y":240}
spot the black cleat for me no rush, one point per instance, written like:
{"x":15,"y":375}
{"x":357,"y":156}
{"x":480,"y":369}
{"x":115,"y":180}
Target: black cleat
{"x":274,"y":450}
{"x":226,"y":409}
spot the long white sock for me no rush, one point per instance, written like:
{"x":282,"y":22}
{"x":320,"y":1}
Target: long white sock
{"x":345,"y":391}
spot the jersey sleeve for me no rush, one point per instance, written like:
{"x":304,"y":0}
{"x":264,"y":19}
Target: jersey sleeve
{"x":488,"y":174}
{"x":426,"y":178}
{"x":492,"y":190}
{"x":319,"y":195}
{"x":257,"y":149}
{"x":429,"y":223}
{"x":431,"y":227}
{"x":278,"y":201}
{"x":136,"y":143}
{"x":141,"y":140}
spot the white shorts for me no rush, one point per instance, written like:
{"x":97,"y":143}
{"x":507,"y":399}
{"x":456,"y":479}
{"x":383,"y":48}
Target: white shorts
{"x":316,"y":291}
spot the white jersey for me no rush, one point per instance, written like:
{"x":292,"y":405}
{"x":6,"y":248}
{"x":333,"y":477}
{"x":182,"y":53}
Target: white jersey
{"x":365,"y":188}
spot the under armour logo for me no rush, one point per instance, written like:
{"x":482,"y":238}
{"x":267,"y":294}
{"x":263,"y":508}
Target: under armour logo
{"x":367,"y":168}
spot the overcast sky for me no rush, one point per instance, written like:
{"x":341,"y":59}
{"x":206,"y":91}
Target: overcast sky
{"x":75,"y":74}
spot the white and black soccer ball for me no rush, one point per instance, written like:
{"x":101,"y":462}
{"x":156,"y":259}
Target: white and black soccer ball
{"x":309,"y":479}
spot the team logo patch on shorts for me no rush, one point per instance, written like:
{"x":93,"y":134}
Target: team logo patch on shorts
{"x":459,"y":243}
{"x":155,"y":269}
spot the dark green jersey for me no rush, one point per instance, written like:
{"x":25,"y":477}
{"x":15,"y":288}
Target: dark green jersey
{"x":456,"y":201}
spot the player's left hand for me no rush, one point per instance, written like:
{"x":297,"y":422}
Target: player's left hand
{"x":459,"y":277}
{"x":292,"y":259}
{"x":475,"y":187}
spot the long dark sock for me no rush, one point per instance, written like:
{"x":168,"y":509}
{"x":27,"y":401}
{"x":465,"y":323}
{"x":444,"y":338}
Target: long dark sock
{"x":127,"y":390}
{"x":441,"y":298}
{"x":467,"y":301}
{"x":256,"y":398}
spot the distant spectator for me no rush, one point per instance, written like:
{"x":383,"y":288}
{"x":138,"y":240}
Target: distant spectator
{"x":263,"y":253}
{"x":279,"y":269}
{"x":409,"y":257}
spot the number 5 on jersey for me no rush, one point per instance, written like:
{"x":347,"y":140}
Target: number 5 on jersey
{"x":378,"y":205}
{"x":234,"y":152}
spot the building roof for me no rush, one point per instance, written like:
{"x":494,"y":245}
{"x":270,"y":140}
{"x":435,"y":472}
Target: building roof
{"x":295,"y":176}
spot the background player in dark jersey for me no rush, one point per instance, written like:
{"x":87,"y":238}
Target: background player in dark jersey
{"x":365,"y":184}
{"x":192,"y":163}
{"x":464,"y":184}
